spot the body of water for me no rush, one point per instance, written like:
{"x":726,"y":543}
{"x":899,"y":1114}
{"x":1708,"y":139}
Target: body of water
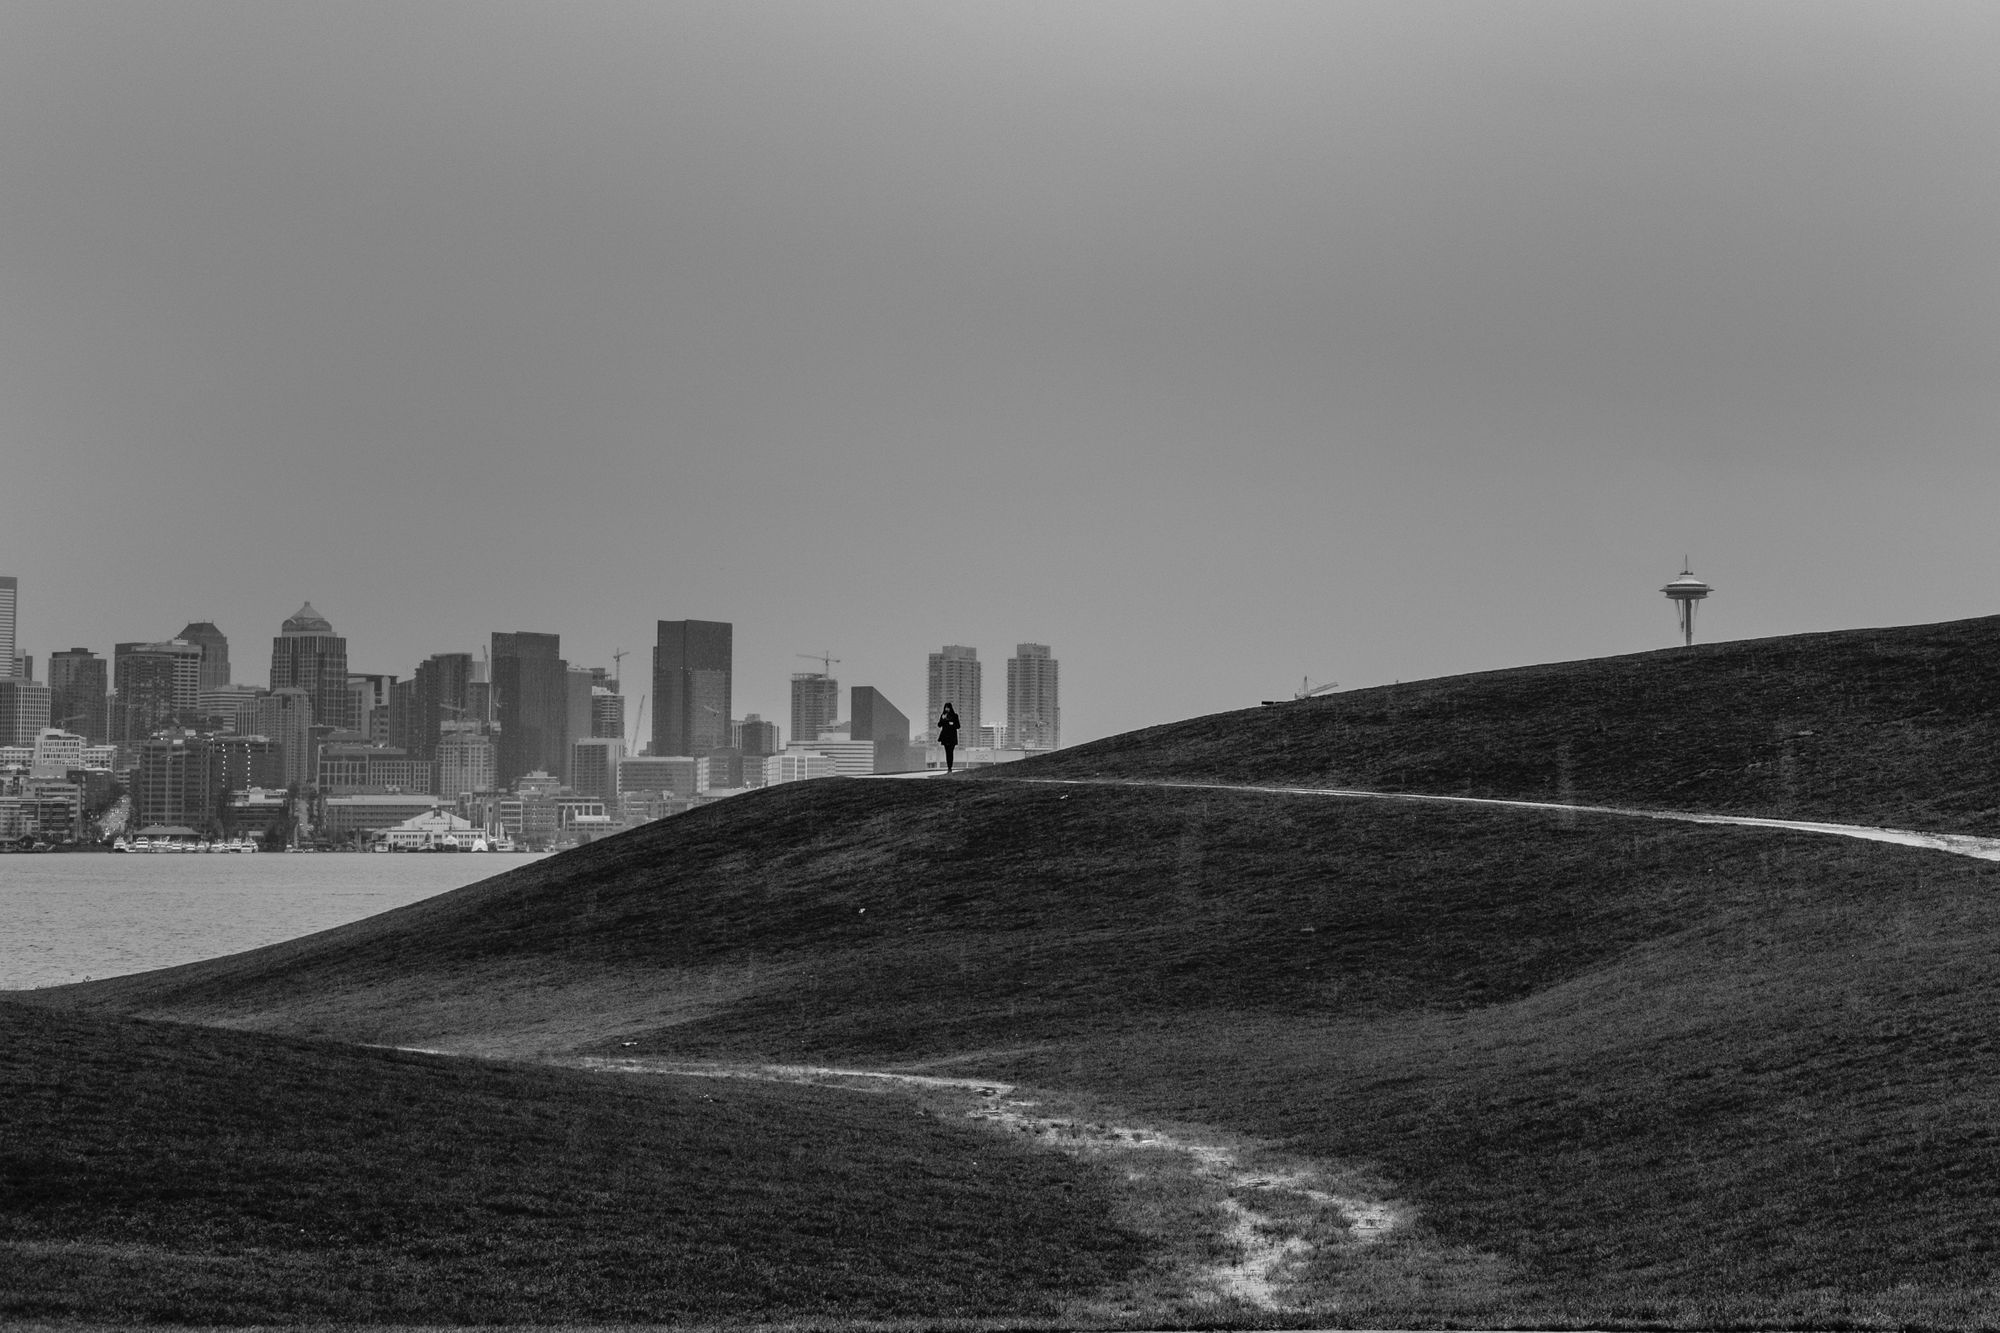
{"x":71,"y":917}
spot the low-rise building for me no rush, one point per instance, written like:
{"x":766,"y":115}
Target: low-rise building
{"x":796,"y":765}
{"x":348,"y":818}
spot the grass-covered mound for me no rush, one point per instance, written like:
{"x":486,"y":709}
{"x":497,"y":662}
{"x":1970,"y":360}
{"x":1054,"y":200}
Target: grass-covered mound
{"x":154,"y":1172}
{"x":903,"y":920}
{"x":1882,"y":726}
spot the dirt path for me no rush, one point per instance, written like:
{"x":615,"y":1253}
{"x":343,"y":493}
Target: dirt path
{"x":1196,"y":1192}
{"x":1958,"y":844}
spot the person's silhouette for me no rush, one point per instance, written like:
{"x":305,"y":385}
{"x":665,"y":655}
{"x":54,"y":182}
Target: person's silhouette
{"x":947,"y":733}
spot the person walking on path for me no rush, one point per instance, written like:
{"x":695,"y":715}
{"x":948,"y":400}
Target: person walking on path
{"x":947,"y":733}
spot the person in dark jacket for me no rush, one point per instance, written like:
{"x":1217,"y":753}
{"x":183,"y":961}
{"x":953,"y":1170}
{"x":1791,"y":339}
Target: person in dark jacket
{"x":947,"y":733}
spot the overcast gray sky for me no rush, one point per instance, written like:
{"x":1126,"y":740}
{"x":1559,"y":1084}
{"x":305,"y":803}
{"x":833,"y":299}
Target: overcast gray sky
{"x":1215,"y":345}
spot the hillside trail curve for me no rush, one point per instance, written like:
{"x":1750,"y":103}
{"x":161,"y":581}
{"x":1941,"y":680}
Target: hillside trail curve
{"x":1957,"y":844}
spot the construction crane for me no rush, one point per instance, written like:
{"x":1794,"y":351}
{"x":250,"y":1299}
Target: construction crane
{"x":635,"y":723}
{"x":618,"y":656}
{"x":827,"y":658}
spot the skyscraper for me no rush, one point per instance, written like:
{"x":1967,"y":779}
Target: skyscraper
{"x":214,"y":652}
{"x":1034,"y":719}
{"x":955,"y":680}
{"x":691,"y":686}
{"x":307,"y":655}
{"x":441,"y":695}
{"x":159,"y":686}
{"x":78,"y":684}
{"x":10,"y":594}
{"x":815,"y":705}
{"x":754,"y":736}
{"x":530,"y":704}
{"x":607,"y":713}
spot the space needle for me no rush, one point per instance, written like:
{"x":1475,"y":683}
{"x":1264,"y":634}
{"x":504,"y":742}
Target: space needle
{"x":1685,"y":592}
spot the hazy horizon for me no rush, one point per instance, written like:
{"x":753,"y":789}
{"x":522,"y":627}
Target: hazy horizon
{"x":1215,"y":346}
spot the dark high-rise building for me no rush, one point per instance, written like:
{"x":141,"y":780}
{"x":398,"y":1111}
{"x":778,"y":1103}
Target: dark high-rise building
{"x":214,"y":652}
{"x":441,"y":695}
{"x":815,"y":705}
{"x":530,"y":704}
{"x":78,"y":686}
{"x":871,"y":717}
{"x":159,"y":687}
{"x":578,"y":683}
{"x":174,"y":785}
{"x":1034,"y":719}
{"x":954,"y":679}
{"x":753,"y":736}
{"x":307,"y":655}
{"x":239,"y":763}
{"x":10,"y":592}
{"x":691,"y":686}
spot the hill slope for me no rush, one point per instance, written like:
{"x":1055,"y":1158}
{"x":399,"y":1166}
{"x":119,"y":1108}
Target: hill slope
{"x":1635,"y":1071}
{"x":1881,"y":726}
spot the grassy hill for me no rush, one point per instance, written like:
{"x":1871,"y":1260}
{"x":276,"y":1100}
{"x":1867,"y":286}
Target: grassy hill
{"x":1889,"y":726}
{"x":162,"y":1173}
{"x":1629,"y":1071}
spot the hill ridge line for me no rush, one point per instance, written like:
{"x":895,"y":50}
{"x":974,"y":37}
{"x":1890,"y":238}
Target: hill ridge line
{"x":1955,"y":844}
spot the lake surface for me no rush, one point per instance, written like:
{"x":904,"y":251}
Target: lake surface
{"x":70,"y":917}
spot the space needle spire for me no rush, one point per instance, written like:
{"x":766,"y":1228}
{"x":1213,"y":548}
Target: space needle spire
{"x":1685,"y":592}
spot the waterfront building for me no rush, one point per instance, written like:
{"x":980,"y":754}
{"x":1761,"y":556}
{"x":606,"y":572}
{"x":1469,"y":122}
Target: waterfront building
{"x":174,"y":783}
{"x":531,"y":702}
{"x":593,"y":767}
{"x":352,"y":818}
{"x":253,"y":812}
{"x":1034,"y":717}
{"x":815,"y":704}
{"x":242,"y":762}
{"x":24,"y":710}
{"x":465,"y":761}
{"x":309,"y":656}
{"x":871,"y":717}
{"x":214,"y":653}
{"x":159,"y":687}
{"x":432,"y":829}
{"x":692,"y":673}
{"x":953,"y":677}
{"x":79,"y":687}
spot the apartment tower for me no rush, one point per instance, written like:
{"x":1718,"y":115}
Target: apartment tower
{"x":1034,"y":720}
{"x":691,"y":686}
{"x":954,"y":679}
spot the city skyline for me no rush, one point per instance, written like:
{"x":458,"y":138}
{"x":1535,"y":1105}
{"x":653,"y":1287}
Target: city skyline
{"x":1215,"y":345}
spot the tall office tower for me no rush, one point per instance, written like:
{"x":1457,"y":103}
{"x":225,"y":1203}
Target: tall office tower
{"x":440,"y":697}
{"x":285,"y":716}
{"x":1034,"y":719}
{"x":691,"y":686}
{"x":593,"y":767}
{"x":307,"y":655}
{"x":578,"y":683}
{"x":871,"y":717}
{"x":464,"y":761}
{"x":955,"y":680}
{"x":214,"y":652}
{"x":530,"y":704}
{"x":372,"y":694}
{"x":754,"y":736}
{"x":607,"y":713}
{"x":78,"y":682}
{"x":159,"y":685}
{"x":815,"y":705}
{"x":24,"y":709}
{"x":10,"y":596}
